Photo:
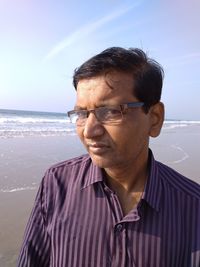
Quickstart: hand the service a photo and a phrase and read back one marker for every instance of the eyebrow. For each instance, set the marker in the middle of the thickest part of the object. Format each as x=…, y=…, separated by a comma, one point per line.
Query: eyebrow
x=103, y=104
x=79, y=108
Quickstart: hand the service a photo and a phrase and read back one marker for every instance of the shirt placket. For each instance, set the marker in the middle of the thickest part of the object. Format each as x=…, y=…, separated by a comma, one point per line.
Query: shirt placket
x=118, y=240
x=121, y=256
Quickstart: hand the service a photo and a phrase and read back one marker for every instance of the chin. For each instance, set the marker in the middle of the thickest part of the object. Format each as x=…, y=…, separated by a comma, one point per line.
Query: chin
x=101, y=161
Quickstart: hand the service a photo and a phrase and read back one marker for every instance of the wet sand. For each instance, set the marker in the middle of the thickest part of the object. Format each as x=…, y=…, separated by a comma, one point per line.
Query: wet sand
x=23, y=162
x=179, y=148
x=15, y=209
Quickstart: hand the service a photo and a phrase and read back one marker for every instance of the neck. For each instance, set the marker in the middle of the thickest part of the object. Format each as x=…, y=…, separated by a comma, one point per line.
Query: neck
x=128, y=179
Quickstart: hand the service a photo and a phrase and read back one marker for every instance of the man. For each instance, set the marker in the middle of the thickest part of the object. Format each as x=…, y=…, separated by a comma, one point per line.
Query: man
x=116, y=206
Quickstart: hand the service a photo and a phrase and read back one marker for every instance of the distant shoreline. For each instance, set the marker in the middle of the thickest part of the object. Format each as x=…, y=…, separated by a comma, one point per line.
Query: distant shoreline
x=37, y=112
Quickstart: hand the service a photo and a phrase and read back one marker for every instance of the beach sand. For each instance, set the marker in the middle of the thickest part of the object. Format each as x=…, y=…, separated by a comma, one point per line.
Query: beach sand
x=23, y=162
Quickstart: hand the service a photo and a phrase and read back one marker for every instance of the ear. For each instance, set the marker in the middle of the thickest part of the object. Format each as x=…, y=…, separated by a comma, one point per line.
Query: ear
x=156, y=114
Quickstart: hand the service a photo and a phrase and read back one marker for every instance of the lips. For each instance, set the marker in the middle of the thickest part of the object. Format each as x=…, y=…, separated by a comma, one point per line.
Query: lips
x=97, y=148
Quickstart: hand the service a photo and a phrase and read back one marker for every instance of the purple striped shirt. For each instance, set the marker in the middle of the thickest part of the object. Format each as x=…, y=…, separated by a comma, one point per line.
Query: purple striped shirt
x=77, y=221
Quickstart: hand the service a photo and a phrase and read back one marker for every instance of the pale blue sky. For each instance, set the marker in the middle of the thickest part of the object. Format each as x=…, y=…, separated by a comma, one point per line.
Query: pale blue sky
x=42, y=42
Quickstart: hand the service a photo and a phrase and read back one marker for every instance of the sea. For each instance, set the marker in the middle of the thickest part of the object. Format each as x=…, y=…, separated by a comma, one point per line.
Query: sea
x=20, y=123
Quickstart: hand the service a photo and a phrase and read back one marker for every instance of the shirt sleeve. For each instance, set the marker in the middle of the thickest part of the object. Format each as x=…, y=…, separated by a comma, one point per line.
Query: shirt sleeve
x=35, y=250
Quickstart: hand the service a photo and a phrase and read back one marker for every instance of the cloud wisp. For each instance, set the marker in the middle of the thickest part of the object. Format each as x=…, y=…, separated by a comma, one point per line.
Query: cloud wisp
x=88, y=29
x=183, y=59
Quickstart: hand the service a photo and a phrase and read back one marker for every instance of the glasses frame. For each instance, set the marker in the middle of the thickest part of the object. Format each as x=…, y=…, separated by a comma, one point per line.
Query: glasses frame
x=123, y=108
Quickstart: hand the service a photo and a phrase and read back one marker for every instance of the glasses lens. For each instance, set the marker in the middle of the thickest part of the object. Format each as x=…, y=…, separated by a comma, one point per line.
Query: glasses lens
x=103, y=114
x=108, y=114
x=79, y=117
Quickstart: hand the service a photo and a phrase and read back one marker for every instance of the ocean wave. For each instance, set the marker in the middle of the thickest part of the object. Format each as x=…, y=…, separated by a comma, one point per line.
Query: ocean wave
x=178, y=124
x=172, y=126
x=25, y=123
x=181, y=122
x=11, y=133
x=31, y=120
x=36, y=130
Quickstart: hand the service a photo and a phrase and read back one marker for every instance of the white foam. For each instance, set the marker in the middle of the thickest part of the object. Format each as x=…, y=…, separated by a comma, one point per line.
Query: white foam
x=32, y=129
x=183, y=157
x=21, y=120
x=26, y=124
x=181, y=121
x=18, y=189
x=52, y=130
x=178, y=124
x=173, y=126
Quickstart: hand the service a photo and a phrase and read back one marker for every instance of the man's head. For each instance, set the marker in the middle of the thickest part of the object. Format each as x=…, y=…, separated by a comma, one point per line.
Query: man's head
x=147, y=73
x=115, y=132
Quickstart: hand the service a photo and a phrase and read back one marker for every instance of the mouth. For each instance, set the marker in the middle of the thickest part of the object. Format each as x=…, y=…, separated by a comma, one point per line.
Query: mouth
x=97, y=148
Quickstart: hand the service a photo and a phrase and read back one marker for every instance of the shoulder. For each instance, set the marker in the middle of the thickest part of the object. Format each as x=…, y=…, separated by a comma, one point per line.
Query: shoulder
x=76, y=162
x=178, y=182
x=63, y=177
x=68, y=170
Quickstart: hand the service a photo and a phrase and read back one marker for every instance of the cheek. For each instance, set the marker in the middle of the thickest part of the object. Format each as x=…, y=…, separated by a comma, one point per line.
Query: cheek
x=119, y=136
x=79, y=132
x=128, y=137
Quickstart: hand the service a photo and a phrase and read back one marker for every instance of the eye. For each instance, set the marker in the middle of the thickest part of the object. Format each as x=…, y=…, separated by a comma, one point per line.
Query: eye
x=109, y=113
x=81, y=114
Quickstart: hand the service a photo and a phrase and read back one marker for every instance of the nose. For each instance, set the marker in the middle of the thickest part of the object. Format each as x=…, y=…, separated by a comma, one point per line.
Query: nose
x=93, y=128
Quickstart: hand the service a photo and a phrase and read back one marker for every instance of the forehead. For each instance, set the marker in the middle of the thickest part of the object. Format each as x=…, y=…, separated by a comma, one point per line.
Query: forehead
x=113, y=86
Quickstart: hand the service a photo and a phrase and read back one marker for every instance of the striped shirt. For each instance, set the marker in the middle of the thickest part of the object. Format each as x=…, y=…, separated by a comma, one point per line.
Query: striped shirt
x=77, y=221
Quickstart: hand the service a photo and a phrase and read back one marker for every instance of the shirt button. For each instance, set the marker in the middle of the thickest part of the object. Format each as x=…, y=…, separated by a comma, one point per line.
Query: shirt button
x=119, y=227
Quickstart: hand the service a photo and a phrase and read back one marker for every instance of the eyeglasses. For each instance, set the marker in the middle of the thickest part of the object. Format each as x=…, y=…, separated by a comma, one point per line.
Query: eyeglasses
x=105, y=115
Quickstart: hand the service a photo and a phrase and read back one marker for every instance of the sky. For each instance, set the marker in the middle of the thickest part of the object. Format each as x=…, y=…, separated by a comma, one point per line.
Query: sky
x=42, y=42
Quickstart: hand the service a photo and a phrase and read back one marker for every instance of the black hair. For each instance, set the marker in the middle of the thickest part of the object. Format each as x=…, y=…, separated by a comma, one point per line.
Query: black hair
x=147, y=73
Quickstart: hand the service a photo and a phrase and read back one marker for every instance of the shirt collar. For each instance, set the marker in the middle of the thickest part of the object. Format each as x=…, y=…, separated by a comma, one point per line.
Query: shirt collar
x=94, y=174
x=153, y=187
